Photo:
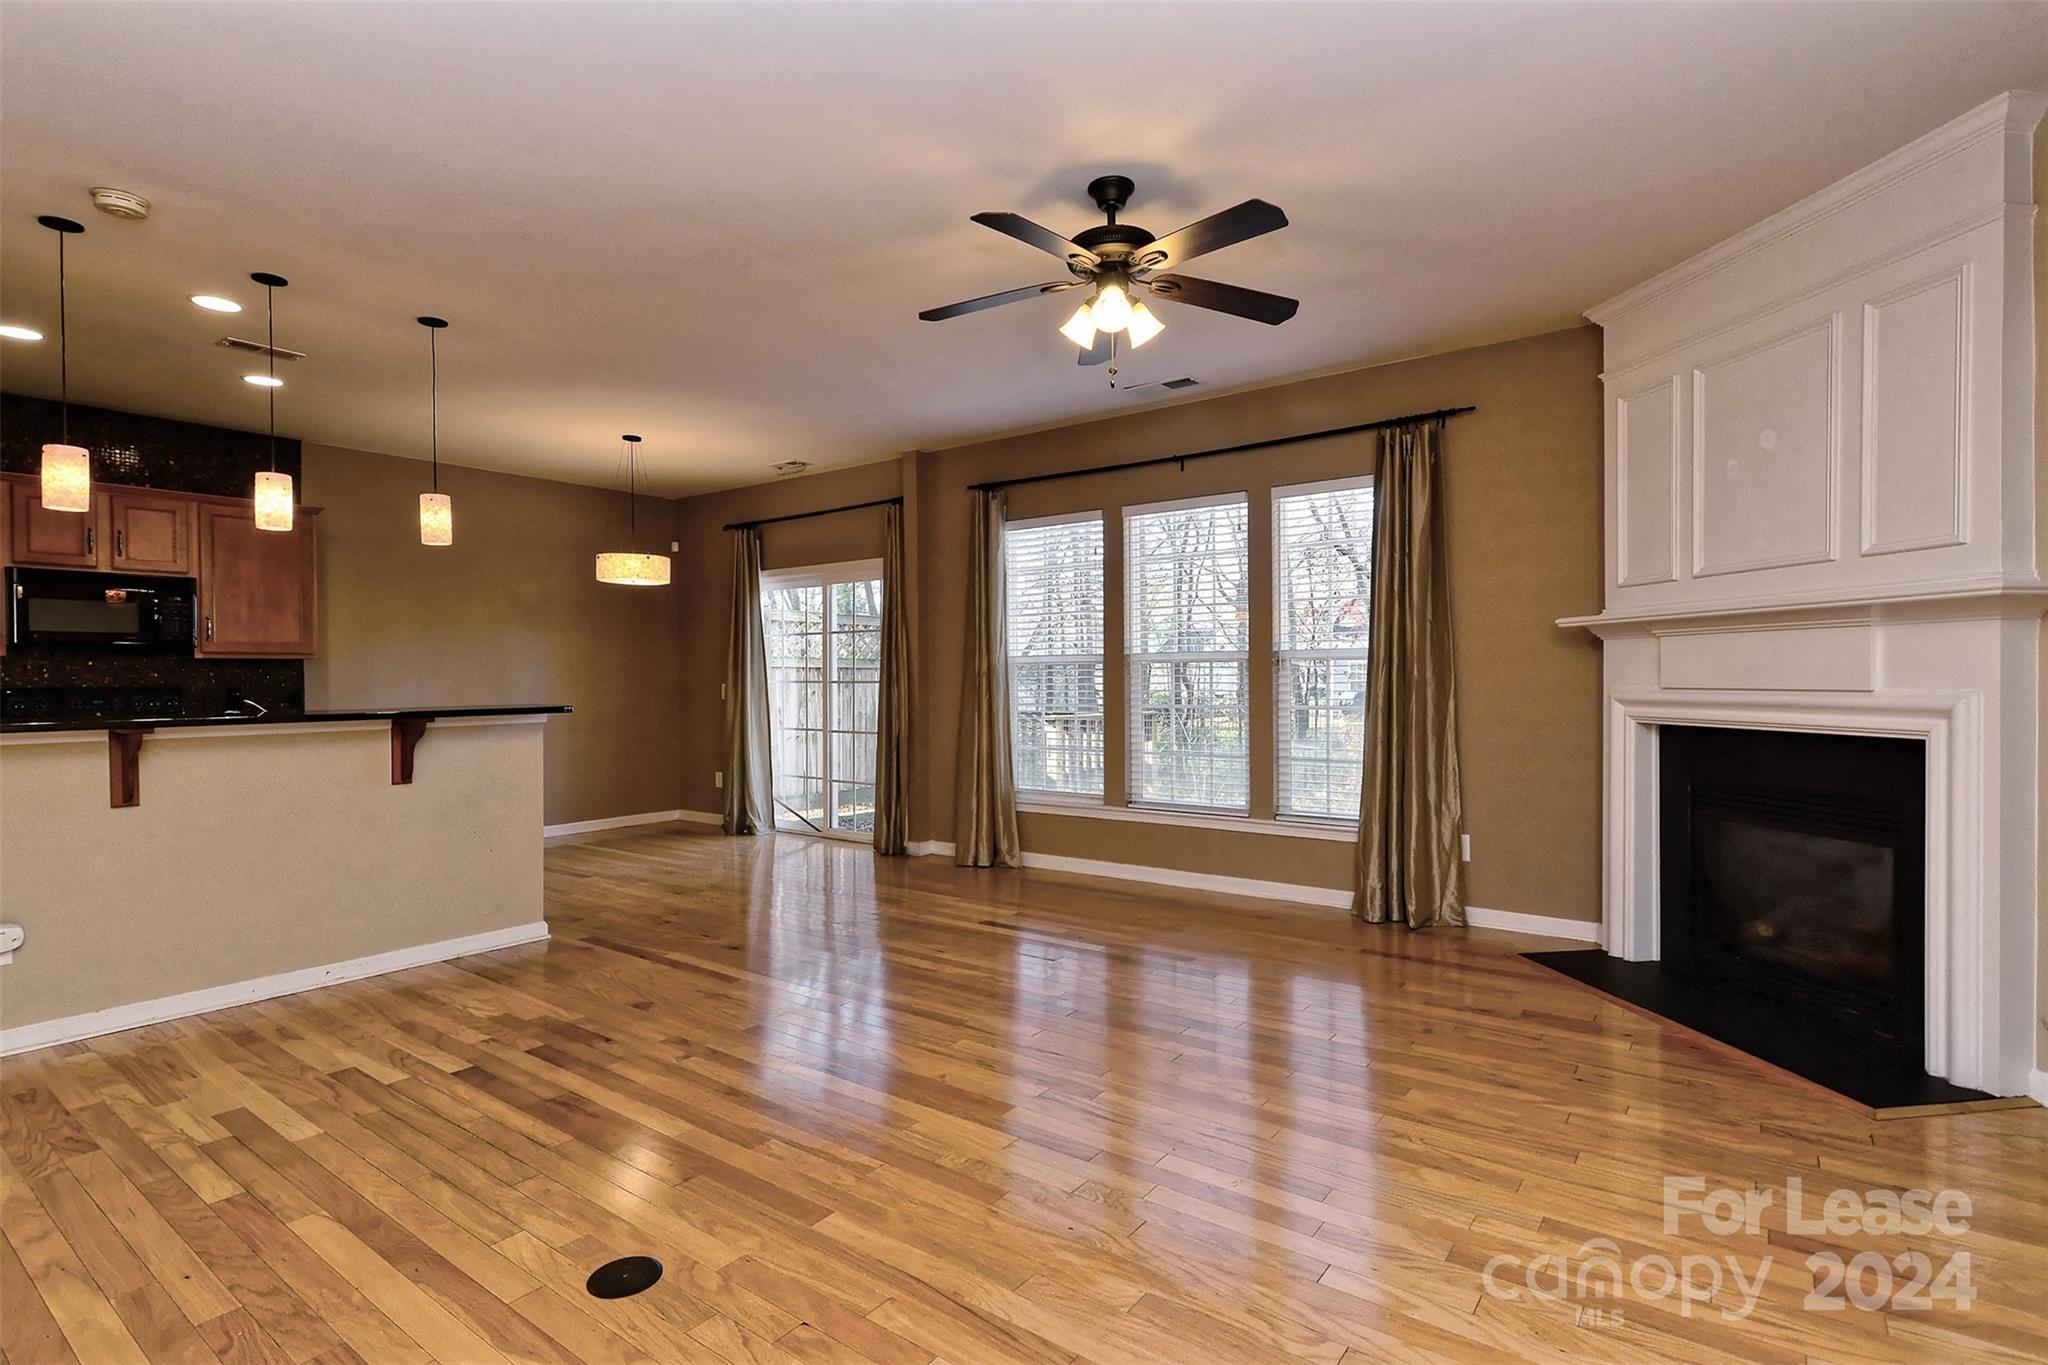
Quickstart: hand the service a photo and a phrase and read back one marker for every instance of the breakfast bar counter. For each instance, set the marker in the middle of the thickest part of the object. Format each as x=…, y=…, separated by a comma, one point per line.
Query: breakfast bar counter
x=159, y=867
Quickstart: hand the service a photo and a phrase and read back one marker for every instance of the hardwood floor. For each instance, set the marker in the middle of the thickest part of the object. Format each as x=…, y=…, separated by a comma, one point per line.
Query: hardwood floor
x=897, y=1113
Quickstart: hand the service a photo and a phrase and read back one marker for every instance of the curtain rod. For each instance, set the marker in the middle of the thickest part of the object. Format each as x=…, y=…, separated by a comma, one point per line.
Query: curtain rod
x=1438, y=415
x=821, y=512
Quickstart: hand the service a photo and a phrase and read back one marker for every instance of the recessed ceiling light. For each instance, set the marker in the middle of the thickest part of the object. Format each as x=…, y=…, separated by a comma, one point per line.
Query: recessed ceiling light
x=214, y=303
x=263, y=381
x=13, y=333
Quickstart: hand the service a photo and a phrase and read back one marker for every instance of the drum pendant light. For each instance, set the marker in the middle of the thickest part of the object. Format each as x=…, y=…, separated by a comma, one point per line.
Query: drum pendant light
x=437, y=510
x=67, y=469
x=631, y=568
x=273, y=490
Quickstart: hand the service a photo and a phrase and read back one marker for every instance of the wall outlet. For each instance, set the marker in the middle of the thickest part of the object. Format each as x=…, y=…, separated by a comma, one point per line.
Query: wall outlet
x=10, y=939
x=675, y=546
x=1465, y=847
x=721, y=691
x=718, y=781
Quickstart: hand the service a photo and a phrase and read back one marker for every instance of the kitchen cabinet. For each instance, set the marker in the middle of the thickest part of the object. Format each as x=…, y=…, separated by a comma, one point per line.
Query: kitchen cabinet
x=57, y=540
x=257, y=589
x=150, y=532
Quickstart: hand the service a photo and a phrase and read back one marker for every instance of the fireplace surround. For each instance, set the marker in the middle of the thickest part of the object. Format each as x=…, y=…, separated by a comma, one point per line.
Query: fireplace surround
x=1824, y=523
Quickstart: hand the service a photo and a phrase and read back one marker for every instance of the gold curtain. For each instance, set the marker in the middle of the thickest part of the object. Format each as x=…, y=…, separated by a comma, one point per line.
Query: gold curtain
x=892, y=725
x=1411, y=810
x=749, y=781
x=985, y=785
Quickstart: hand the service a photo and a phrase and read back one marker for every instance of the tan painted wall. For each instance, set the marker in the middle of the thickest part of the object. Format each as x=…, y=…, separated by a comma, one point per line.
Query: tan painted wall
x=510, y=613
x=264, y=851
x=1525, y=528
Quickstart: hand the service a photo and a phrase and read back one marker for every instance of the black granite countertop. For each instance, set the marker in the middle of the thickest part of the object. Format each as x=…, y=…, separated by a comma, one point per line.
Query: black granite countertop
x=38, y=727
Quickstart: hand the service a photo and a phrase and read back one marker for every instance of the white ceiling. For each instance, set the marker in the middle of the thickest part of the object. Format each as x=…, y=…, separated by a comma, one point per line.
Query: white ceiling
x=716, y=225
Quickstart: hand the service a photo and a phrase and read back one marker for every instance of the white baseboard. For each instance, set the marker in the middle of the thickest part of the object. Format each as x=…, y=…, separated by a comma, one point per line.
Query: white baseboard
x=1577, y=930
x=1192, y=881
x=49, y=1033
x=929, y=848
x=652, y=817
x=2037, y=1086
x=1476, y=917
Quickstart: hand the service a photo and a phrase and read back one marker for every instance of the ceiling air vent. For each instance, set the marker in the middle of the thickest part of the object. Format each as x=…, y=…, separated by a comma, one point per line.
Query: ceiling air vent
x=258, y=348
x=1184, y=382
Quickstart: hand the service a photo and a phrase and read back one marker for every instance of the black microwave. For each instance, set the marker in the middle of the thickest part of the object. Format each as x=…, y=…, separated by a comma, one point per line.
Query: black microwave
x=63, y=609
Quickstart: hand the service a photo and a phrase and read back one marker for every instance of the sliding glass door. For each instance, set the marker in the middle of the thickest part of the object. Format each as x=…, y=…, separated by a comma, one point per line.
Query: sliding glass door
x=822, y=629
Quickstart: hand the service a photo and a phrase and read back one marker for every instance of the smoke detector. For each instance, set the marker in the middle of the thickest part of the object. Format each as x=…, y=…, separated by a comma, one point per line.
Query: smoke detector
x=120, y=203
x=788, y=467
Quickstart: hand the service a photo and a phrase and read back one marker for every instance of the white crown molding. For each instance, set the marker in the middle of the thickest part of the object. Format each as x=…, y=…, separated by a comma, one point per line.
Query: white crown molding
x=652, y=817
x=2014, y=111
x=50, y=1032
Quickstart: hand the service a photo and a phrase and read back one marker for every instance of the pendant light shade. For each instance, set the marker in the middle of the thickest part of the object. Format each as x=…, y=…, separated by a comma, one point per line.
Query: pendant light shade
x=67, y=469
x=67, y=479
x=632, y=568
x=437, y=509
x=273, y=500
x=273, y=490
x=437, y=519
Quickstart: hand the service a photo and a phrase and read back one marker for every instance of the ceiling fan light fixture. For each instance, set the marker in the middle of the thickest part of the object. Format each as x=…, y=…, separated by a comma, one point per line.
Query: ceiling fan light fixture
x=1143, y=326
x=1111, y=310
x=1080, y=328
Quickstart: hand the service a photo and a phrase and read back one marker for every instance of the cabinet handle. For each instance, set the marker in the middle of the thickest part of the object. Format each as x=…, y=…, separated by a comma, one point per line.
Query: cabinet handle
x=120, y=544
x=209, y=627
x=90, y=541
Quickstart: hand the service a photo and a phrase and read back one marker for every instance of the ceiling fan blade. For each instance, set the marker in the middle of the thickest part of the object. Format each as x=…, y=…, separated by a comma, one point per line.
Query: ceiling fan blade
x=1252, y=218
x=1029, y=291
x=1098, y=354
x=1271, y=309
x=1044, y=238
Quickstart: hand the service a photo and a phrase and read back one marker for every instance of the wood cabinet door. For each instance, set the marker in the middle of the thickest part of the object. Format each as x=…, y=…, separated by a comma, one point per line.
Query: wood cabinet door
x=152, y=532
x=257, y=594
x=65, y=540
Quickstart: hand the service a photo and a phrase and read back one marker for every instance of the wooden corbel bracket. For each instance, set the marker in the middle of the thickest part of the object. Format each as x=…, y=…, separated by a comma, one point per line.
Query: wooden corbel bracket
x=124, y=767
x=405, y=737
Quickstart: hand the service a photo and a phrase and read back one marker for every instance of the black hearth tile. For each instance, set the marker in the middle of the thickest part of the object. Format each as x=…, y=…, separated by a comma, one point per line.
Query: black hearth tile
x=1812, y=1045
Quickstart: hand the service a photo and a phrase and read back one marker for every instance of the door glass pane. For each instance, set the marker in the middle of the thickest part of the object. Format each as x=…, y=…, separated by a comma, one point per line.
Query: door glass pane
x=824, y=658
x=793, y=633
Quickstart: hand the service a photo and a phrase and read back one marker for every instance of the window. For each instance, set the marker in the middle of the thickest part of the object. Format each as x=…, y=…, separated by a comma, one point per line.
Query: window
x=1186, y=654
x=1053, y=571
x=821, y=629
x=1322, y=579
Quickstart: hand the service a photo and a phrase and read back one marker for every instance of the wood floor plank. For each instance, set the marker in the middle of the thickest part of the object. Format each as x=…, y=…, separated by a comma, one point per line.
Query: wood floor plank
x=893, y=1112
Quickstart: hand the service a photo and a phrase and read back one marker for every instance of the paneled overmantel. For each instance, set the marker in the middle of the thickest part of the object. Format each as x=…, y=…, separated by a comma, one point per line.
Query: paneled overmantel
x=1823, y=514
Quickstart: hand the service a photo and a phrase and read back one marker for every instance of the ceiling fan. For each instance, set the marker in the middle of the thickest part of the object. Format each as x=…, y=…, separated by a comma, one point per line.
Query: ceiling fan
x=1117, y=259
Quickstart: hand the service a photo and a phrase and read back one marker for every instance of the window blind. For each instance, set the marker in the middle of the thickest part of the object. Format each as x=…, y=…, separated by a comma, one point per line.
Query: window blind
x=1322, y=553
x=1187, y=654
x=1053, y=572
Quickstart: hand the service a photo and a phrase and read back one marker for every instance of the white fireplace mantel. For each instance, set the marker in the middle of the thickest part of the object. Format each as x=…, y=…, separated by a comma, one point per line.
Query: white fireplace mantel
x=1822, y=515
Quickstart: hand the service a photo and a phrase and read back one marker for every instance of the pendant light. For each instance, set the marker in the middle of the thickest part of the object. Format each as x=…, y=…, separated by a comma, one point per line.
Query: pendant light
x=273, y=490
x=67, y=469
x=437, y=510
x=631, y=568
